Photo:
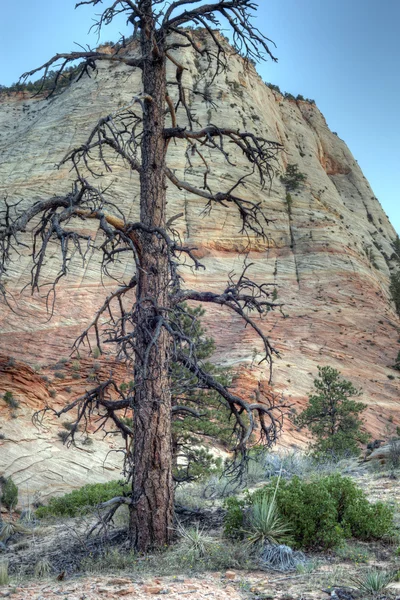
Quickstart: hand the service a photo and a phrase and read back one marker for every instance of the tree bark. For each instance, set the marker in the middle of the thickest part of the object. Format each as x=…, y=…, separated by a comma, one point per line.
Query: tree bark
x=152, y=511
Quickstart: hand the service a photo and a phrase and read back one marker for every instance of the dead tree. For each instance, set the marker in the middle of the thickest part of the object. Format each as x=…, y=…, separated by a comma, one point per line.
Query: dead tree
x=146, y=331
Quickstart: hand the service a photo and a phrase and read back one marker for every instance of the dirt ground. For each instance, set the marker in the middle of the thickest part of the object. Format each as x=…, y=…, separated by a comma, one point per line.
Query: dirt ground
x=324, y=576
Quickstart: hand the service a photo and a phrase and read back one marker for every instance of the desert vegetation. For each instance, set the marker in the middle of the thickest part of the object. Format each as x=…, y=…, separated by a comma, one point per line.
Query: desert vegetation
x=332, y=416
x=268, y=524
x=294, y=517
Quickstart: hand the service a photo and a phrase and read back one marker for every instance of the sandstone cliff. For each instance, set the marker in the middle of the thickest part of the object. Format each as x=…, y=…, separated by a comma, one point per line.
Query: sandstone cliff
x=328, y=254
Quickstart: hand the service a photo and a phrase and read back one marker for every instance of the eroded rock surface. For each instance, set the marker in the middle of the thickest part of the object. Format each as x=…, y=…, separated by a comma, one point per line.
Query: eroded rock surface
x=329, y=254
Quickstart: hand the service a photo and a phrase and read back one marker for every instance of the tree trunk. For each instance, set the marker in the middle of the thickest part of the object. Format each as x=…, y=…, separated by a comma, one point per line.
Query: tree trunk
x=152, y=512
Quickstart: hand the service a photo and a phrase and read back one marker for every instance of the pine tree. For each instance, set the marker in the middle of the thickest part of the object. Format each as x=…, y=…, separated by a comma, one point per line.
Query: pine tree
x=332, y=416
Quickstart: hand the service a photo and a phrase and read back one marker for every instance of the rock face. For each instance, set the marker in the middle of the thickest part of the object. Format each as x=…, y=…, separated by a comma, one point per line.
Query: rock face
x=329, y=253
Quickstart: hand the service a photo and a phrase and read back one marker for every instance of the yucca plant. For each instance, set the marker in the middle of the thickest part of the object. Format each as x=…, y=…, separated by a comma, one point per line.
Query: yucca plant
x=279, y=557
x=265, y=524
x=43, y=568
x=7, y=530
x=373, y=581
x=195, y=539
x=4, y=579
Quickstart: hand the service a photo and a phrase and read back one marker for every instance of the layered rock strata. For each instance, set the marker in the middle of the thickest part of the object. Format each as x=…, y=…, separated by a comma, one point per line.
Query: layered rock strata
x=329, y=253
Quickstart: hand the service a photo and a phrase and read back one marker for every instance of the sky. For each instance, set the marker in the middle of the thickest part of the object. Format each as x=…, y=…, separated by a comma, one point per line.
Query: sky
x=343, y=54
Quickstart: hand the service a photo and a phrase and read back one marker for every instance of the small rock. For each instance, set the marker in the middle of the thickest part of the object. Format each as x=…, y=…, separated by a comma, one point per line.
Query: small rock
x=126, y=591
x=230, y=575
x=152, y=589
x=119, y=581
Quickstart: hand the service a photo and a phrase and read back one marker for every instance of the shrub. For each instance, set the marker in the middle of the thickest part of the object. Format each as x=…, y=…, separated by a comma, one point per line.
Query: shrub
x=87, y=441
x=63, y=435
x=321, y=513
x=354, y=552
x=70, y=425
x=234, y=517
x=273, y=87
x=394, y=453
x=293, y=178
x=397, y=363
x=396, y=248
x=394, y=289
x=289, y=203
x=9, y=399
x=9, y=495
x=81, y=500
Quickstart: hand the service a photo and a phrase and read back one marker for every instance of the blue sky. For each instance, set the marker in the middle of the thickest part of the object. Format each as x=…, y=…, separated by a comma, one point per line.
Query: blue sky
x=344, y=54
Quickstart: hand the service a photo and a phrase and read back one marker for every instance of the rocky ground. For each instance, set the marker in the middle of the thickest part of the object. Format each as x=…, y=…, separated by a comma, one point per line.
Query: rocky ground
x=92, y=588
x=320, y=584
x=63, y=543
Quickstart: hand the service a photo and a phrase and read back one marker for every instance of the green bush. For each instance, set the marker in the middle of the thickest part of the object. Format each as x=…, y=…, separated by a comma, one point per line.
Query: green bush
x=63, y=435
x=397, y=363
x=320, y=513
x=234, y=517
x=9, y=399
x=9, y=496
x=394, y=289
x=80, y=501
x=293, y=178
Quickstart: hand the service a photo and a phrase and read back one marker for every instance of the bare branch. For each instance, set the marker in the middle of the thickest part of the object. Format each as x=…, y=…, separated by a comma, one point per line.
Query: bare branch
x=89, y=62
x=246, y=38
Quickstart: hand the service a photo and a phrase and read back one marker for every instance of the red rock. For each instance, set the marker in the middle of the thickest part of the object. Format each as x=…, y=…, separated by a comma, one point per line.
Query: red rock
x=152, y=589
